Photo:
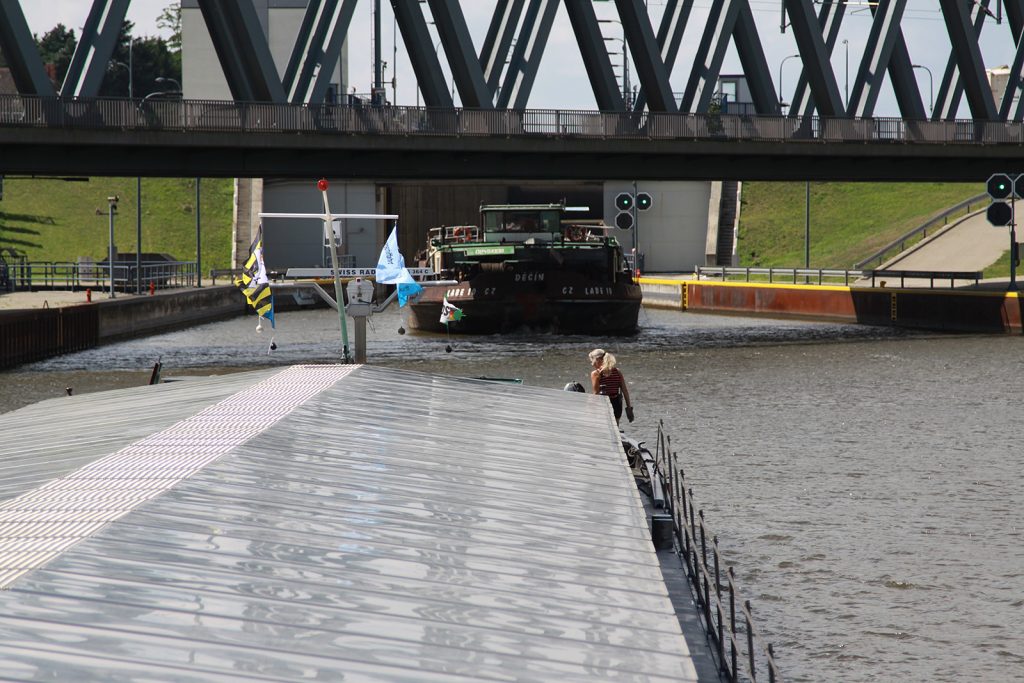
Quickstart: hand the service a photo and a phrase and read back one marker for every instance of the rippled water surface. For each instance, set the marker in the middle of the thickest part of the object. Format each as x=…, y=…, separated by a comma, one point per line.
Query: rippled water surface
x=864, y=482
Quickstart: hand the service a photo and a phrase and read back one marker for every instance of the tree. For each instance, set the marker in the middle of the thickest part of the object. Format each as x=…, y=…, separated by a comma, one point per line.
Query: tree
x=56, y=48
x=149, y=58
x=170, y=20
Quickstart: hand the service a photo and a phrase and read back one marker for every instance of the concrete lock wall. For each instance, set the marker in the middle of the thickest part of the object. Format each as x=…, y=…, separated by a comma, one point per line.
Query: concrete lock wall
x=138, y=316
x=672, y=232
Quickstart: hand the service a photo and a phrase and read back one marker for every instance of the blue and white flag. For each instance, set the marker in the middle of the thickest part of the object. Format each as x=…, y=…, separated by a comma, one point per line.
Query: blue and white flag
x=390, y=264
x=407, y=287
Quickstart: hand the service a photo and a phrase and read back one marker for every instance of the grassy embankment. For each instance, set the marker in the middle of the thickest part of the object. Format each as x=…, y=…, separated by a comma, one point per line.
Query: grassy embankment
x=57, y=221
x=849, y=221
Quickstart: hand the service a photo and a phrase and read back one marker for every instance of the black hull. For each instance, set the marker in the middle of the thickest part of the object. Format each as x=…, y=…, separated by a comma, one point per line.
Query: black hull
x=614, y=314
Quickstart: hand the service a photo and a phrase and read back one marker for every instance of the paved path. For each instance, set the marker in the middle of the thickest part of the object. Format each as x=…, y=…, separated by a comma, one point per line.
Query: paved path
x=51, y=298
x=971, y=244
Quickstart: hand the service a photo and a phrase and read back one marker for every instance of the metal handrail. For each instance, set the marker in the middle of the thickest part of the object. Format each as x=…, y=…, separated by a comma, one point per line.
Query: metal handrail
x=790, y=275
x=720, y=621
x=75, y=275
x=28, y=111
x=923, y=229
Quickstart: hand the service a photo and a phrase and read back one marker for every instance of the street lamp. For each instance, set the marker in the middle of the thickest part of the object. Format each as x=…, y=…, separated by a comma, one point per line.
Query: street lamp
x=114, y=62
x=625, y=59
x=111, y=212
x=162, y=79
x=931, y=99
x=846, y=100
x=782, y=102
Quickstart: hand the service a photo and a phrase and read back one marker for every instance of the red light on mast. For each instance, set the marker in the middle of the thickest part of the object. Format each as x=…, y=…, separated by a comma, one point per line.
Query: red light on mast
x=322, y=184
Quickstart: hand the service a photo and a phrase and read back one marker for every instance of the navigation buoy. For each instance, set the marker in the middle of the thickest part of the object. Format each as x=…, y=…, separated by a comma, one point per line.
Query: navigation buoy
x=448, y=348
x=401, y=330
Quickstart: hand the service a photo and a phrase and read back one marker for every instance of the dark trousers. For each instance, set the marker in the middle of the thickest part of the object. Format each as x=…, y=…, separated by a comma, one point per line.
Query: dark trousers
x=616, y=405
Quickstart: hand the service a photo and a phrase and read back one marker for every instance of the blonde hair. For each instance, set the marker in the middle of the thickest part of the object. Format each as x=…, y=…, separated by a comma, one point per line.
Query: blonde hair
x=608, y=362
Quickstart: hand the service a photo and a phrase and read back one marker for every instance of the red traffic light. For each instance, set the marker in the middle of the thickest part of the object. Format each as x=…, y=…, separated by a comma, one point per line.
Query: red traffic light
x=624, y=220
x=999, y=213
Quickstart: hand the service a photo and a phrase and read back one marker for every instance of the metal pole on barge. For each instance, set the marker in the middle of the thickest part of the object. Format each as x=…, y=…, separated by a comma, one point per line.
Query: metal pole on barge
x=338, y=295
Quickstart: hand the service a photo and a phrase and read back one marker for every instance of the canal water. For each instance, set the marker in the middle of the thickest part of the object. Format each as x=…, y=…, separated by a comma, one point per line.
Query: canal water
x=864, y=482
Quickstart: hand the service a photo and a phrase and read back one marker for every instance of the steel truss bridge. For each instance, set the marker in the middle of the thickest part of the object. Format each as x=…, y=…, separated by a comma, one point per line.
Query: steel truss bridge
x=494, y=135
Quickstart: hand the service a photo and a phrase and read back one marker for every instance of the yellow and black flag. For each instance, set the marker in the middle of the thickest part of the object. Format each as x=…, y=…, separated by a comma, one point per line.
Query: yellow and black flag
x=254, y=282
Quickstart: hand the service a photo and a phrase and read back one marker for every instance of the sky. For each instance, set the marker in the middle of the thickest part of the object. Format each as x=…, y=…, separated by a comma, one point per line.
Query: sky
x=562, y=82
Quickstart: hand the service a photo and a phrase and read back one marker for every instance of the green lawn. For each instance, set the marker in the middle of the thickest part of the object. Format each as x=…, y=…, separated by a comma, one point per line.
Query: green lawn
x=849, y=221
x=57, y=220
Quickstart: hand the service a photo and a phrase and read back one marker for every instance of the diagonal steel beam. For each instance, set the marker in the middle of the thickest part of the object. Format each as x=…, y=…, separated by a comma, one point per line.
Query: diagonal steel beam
x=498, y=41
x=317, y=50
x=707, y=62
x=817, y=81
x=243, y=51
x=462, y=57
x=419, y=44
x=533, y=37
x=884, y=30
x=755, y=66
x=650, y=68
x=99, y=37
x=951, y=90
x=1013, y=88
x=595, y=56
x=21, y=52
x=904, y=85
x=670, y=36
x=969, y=61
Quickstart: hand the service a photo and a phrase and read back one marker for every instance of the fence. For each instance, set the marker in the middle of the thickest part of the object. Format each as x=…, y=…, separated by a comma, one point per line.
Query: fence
x=741, y=651
x=252, y=117
x=71, y=275
x=820, y=276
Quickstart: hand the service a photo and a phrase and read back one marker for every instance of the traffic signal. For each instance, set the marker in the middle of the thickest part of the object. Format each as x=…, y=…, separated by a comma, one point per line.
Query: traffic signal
x=999, y=213
x=626, y=218
x=1000, y=187
x=644, y=201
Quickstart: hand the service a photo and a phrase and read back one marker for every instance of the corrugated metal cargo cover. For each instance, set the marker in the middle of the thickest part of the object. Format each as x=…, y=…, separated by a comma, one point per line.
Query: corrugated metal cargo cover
x=380, y=525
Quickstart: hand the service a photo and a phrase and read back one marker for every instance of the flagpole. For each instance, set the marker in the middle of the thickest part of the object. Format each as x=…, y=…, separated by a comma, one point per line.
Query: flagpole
x=328, y=224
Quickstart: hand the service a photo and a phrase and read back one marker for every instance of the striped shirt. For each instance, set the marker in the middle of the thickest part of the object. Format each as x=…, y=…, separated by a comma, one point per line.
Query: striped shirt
x=610, y=384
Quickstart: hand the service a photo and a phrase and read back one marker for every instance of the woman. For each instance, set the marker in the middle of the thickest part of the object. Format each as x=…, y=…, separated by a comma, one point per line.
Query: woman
x=607, y=380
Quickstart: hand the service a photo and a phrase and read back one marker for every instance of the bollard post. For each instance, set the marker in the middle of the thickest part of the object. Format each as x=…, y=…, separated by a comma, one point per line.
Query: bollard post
x=88, y=295
x=152, y=288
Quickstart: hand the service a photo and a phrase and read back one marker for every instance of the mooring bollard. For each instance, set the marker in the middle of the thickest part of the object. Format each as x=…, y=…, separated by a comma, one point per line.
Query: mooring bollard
x=88, y=295
x=152, y=289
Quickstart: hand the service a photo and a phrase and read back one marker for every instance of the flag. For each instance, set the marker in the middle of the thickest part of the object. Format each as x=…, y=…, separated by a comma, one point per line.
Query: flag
x=407, y=287
x=449, y=313
x=391, y=263
x=254, y=282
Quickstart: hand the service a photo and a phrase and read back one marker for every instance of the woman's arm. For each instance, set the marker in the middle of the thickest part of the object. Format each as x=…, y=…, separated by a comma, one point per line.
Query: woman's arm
x=595, y=381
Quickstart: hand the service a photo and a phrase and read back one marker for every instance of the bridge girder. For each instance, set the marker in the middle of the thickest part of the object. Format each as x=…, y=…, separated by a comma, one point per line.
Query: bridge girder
x=518, y=34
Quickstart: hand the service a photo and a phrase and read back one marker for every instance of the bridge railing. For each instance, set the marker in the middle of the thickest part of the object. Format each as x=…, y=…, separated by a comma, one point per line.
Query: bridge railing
x=218, y=116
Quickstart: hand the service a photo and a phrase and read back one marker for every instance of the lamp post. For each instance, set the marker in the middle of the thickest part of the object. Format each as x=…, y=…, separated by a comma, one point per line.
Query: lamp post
x=846, y=99
x=931, y=99
x=163, y=79
x=111, y=211
x=782, y=101
x=625, y=59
